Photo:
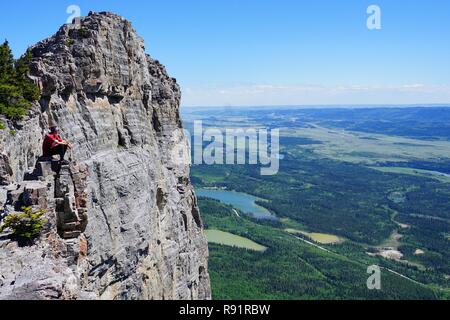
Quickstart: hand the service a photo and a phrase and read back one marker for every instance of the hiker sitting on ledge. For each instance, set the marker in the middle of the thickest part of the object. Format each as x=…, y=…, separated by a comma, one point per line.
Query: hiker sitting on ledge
x=54, y=145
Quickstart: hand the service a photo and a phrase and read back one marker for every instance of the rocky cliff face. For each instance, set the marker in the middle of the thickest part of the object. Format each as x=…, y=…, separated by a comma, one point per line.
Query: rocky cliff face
x=123, y=222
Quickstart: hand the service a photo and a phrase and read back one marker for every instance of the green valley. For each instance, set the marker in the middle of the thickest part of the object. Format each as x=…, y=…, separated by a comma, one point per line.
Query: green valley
x=345, y=197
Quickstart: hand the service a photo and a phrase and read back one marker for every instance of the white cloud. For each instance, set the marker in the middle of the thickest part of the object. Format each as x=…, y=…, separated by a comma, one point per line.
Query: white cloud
x=266, y=94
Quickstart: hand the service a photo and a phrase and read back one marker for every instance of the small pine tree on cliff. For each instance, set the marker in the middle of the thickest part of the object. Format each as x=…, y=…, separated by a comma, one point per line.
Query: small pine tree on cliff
x=25, y=226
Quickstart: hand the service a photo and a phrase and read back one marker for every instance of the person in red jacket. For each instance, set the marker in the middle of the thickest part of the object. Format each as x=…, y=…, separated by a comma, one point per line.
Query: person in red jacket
x=54, y=145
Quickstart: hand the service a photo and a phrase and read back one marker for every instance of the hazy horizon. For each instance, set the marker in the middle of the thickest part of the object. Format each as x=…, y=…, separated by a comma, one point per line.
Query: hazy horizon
x=329, y=106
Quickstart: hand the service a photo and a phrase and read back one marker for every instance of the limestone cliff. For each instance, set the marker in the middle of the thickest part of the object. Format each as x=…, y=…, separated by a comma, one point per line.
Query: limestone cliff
x=123, y=222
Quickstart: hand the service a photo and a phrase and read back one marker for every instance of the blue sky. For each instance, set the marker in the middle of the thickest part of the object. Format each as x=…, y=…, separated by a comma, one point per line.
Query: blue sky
x=275, y=52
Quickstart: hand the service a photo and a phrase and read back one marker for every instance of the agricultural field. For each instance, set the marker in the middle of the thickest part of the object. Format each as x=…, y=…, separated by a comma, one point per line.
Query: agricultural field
x=229, y=239
x=321, y=238
x=369, y=148
x=416, y=172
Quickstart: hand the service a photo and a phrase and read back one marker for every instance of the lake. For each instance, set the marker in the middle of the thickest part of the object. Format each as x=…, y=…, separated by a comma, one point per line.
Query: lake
x=242, y=201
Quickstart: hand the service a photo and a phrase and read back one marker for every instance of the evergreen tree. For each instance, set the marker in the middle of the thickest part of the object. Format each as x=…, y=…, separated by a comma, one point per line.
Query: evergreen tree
x=6, y=63
x=17, y=91
x=29, y=90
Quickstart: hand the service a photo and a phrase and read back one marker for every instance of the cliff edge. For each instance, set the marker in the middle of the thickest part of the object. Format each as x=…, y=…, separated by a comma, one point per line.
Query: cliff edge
x=122, y=218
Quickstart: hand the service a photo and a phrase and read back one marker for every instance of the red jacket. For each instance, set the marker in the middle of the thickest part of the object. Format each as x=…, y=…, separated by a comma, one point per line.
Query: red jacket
x=50, y=141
